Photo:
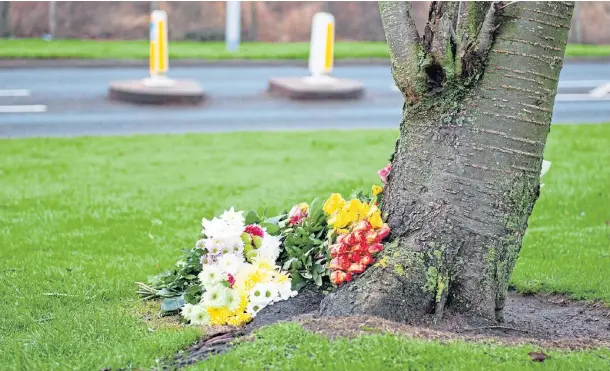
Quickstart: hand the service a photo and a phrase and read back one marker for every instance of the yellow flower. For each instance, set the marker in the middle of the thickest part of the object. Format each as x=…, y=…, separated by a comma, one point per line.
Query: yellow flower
x=375, y=219
x=219, y=316
x=353, y=208
x=364, y=211
x=253, y=279
x=281, y=277
x=334, y=203
x=243, y=303
x=376, y=190
x=239, y=320
x=339, y=220
x=303, y=206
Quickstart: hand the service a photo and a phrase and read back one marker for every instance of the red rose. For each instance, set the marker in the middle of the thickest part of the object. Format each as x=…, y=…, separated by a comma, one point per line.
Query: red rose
x=356, y=268
x=383, y=232
x=375, y=248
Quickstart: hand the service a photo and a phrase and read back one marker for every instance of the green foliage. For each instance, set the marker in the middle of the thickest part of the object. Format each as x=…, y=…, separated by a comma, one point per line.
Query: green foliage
x=304, y=254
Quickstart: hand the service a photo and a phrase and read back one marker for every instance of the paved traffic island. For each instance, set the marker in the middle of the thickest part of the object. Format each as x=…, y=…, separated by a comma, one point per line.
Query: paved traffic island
x=315, y=88
x=173, y=92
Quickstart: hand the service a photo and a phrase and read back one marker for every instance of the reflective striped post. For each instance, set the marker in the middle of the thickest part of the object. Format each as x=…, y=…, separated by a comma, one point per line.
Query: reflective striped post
x=158, y=49
x=321, y=50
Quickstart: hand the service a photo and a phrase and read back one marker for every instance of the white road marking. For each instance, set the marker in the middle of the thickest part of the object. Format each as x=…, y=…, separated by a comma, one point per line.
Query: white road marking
x=581, y=98
x=600, y=91
x=30, y=108
x=581, y=83
x=14, y=93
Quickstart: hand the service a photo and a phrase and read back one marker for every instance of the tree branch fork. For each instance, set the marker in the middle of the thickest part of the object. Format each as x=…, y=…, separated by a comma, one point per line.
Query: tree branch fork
x=454, y=45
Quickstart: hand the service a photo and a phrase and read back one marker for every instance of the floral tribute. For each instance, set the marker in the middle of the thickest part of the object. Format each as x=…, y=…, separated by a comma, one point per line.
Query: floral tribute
x=359, y=229
x=238, y=275
x=245, y=262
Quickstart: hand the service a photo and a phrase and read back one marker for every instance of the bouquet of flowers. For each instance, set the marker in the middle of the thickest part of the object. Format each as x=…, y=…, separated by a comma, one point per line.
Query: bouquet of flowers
x=238, y=276
x=359, y=231
x=244, y=263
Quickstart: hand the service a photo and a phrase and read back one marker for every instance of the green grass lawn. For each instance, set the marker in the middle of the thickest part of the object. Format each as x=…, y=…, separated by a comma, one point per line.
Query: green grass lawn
x=82, y=219
x=139, y=49
x=289, y=347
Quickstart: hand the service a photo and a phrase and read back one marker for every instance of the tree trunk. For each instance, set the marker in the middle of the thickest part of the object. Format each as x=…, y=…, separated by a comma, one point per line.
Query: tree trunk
x=479, y=90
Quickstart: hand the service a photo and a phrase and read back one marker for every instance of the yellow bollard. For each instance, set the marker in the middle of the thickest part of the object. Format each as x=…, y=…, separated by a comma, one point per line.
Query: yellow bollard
x=158, y=62
x=321, y=50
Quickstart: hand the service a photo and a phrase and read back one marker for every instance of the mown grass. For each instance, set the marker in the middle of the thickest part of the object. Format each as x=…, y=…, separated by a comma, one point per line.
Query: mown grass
x=139, y=49
x=289, y=347
x=82, y=219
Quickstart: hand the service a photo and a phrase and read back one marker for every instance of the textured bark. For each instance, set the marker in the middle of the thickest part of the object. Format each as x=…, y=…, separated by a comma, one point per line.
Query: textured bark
x=465, y=173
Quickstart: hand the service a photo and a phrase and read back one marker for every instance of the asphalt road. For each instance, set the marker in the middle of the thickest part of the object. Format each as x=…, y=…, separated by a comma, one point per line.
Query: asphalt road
x=72, y=101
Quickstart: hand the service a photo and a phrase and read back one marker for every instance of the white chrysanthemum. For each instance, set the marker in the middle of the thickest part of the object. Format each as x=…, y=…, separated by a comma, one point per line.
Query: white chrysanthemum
x=253, y=309
x=235, y=245
x=270, y=248
x=199, y=315
x=186, y=311
x=233, y=300
x=221, y=228
x=214, y=245
x=230, y=263
x=210, y=226
x=234, y=218
x=200, y=244
x=263, y=294
x=216, y=296
x=211, y=275
x=285, y=291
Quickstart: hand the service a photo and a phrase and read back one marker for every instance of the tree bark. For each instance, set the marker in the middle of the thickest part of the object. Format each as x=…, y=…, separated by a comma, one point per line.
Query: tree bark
x=465, y=172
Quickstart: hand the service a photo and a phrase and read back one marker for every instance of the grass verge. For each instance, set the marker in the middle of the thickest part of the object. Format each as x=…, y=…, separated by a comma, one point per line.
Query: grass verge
x=139, y=49
x=290, y=347
x=84, y=218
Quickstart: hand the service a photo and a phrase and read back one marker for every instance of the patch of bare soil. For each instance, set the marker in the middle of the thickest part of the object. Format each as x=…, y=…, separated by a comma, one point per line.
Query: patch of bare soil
x=547, y=321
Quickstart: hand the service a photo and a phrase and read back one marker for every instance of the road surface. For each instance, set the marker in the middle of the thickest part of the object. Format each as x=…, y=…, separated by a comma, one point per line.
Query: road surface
x=38, y=102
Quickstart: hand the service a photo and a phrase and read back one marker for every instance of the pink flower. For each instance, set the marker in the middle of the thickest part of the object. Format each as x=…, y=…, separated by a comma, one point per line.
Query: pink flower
x=383, y=173
x=255, y=230
x=298, y=213
x=231, y=280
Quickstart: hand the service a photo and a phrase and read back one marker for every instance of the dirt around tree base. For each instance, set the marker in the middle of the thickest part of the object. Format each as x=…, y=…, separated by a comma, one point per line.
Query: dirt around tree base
x=551, y=321
x=547, y=321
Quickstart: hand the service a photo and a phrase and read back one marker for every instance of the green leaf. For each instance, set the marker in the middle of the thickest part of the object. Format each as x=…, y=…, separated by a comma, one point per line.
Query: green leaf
x=297, y=281
x=252, y=217
x=318, y=268
x=272, y=229
x=192, y=294
x=172, y=304
x=318, y=280
x=276, y=219
x=288, y=262
x=315, y=209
